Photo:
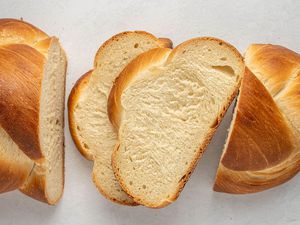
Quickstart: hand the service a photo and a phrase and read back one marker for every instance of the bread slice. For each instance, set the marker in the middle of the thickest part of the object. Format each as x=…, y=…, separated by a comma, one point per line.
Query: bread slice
x=166, y=107
x=263, y=147
x=90, y=128
x=33, y=67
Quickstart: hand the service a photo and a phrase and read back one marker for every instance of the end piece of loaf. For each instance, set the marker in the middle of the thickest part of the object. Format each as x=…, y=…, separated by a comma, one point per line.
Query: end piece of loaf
x=166, y=111
x=263, y=147
x=33, y=67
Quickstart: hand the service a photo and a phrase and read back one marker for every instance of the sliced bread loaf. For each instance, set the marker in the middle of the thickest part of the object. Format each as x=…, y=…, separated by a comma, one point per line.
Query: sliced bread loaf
x=166, y=106
x=33, y=67
x=263, y=147
x=91, y=130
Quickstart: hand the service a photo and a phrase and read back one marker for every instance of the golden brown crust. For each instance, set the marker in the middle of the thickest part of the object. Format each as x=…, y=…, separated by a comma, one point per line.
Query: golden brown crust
x=12, y=175
x=21, y=69
x=115, y=110
x=273, y=64
x=19, y=32
x=260, y=137
x=166, y=43
x=72, y=102
x=136, y=66
x=34, y=187
x=252, y=146
x=181, y=47
x=23, y=54
x=243, y=182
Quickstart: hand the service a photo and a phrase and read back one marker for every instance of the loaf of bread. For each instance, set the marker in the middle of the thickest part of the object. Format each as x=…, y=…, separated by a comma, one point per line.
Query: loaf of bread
x=32, y=83
x=263, y=147
x=166, y=106
x=90, y=128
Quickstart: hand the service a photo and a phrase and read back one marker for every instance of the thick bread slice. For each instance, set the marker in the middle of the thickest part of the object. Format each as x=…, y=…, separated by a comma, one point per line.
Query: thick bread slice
x=166, y=115
x=263, y=147
x=90, y=128
x=32, y=106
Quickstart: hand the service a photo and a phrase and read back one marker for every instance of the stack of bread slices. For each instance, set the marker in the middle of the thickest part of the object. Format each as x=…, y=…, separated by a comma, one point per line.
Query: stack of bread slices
x=145, y=114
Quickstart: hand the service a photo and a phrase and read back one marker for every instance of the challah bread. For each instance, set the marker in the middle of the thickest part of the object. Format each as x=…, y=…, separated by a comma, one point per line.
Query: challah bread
x=91, y=130
x=263, y=147
x=32, y=82
x=166, y=106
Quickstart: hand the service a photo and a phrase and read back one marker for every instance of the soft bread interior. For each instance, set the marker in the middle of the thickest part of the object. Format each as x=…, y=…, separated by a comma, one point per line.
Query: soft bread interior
x=169, y=115
x=94, y=130
x=51, y=126
x=52, y=120
x=15, y=165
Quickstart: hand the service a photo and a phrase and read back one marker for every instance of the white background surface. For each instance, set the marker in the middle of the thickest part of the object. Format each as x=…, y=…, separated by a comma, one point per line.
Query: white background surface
x=82, y=26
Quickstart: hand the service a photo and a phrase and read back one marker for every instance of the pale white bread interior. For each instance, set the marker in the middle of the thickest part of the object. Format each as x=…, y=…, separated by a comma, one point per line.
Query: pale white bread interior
x=168, y=114
x=48, y=177
x=91, y=130
x=45, y=92
x=271, y=99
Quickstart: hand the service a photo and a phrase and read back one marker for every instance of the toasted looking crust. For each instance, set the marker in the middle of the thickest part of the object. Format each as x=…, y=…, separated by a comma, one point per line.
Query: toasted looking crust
x=267, y=111
x=135, y=69
x=83, y=86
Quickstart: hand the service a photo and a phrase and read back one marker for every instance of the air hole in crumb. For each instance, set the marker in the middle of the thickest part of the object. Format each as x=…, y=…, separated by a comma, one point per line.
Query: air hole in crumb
x=130, y=158
x=85, y=145
x=78, y=128
x=102, y=173
x=56, y=121
x=130, y=182
x=184, y=52
x=223, y=58
x=220, y=43
x=136, y=45
x=209, y=50
x=227, y=70
x=186, y=163
x=133, y=168
x=144, y=186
